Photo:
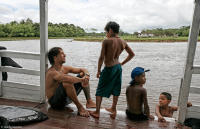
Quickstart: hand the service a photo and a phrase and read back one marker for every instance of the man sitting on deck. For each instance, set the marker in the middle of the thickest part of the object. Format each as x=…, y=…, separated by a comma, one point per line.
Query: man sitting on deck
x=62, y=89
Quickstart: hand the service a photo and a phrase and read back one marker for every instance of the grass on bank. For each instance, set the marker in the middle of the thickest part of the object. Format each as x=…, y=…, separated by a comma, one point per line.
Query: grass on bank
x=137, y=39
x=100, y=39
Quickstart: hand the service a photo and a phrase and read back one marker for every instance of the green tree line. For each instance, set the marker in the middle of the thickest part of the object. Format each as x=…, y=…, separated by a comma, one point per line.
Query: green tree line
x=181, y=32
x=26, y=28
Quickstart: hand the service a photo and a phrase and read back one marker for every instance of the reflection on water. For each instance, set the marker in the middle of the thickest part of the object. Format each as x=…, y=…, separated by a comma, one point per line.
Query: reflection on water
x=165, y=60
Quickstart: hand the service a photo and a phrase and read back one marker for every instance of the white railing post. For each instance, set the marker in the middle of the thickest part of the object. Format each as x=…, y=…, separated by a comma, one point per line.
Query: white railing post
x=43, y=46
x=192, y=41
x=1, y=78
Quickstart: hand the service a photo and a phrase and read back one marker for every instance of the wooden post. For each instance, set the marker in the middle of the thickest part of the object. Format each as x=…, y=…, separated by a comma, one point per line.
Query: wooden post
x=1, y=78
x=43, y=46
x=192, y=41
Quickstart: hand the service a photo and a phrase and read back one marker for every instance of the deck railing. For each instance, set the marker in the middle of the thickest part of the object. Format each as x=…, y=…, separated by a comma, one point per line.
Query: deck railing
x=19, y=91
x=26, y=91
x=189, y=70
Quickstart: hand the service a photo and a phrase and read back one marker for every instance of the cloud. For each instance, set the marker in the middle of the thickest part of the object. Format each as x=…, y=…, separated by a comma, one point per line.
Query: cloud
x=132, y=15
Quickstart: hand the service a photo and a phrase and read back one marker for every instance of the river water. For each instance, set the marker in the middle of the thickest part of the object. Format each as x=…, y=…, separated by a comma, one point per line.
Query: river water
x=165, y=60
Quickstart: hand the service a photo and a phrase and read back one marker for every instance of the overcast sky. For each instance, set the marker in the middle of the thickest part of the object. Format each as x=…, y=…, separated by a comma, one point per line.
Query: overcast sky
x=132, y=15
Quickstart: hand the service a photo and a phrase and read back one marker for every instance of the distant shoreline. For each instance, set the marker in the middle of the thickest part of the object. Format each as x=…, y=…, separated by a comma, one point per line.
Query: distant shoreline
x=100, y=39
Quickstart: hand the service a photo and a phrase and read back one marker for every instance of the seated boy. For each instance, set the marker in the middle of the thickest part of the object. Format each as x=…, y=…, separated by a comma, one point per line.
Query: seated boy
x=163, y=109
x=136, y=96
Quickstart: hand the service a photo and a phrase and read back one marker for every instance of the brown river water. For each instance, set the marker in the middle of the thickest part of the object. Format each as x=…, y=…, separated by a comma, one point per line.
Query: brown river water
x=165, y=60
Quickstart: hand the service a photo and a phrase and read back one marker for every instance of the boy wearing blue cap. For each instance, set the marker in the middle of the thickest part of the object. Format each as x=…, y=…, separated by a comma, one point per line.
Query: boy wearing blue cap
x=136, y=96
x=110, y=77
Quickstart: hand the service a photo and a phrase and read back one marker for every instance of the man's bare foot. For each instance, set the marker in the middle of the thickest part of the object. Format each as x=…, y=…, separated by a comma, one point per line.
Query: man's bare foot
x=94, y=114
x=90, y=104
x=83, y=112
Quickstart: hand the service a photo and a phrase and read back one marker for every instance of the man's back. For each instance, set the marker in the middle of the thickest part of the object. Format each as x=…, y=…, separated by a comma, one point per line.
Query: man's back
x=113, y=48
x=135, y=96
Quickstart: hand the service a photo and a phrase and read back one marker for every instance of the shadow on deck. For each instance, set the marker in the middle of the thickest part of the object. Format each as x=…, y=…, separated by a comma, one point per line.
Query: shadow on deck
x=66, y=119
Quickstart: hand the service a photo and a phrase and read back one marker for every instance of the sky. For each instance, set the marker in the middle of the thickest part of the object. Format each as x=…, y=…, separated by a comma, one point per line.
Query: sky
x=131, y=15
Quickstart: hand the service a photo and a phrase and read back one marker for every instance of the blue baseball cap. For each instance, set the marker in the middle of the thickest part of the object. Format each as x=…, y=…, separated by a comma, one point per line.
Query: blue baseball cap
x=136, y=72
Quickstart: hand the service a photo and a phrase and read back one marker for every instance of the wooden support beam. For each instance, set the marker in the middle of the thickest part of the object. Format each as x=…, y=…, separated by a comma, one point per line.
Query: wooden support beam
x=21, y=86
x=192, y=41
x=19, y=70
x=43, y=46
x=19, y=54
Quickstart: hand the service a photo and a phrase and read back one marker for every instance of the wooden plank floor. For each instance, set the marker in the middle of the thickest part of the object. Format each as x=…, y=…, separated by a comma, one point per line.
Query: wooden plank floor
x=67, y=119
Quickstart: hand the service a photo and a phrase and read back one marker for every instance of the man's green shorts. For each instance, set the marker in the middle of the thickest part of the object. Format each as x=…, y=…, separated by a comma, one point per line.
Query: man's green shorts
x=110, y=81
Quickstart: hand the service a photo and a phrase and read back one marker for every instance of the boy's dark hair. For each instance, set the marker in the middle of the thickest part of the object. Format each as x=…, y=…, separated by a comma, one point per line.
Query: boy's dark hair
x=168, y=95
x=112, y=25
x=53, y=52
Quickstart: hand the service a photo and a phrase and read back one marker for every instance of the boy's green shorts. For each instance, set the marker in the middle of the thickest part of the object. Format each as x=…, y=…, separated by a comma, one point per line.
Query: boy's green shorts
x=110, y=81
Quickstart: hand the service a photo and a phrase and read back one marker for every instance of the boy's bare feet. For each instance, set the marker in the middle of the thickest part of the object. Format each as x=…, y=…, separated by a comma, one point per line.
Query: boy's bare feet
x=94, y=114
x=112, y=111
x=83, y=112
x=90, y=104
x=113, y=115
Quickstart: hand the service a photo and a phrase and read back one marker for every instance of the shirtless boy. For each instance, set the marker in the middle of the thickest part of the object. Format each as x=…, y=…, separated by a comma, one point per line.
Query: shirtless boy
x=163, y=109
x=61, y=88
x=111, y=76
x=136, y=96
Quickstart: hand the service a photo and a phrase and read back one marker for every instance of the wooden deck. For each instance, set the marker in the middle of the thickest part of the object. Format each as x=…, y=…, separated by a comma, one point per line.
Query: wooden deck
x=67, y=119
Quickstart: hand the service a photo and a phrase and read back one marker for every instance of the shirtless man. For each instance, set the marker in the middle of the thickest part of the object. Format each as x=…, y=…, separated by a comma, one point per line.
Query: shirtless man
x=163, y=109
x=136, y=96
x=111, y=76
x=62, y=89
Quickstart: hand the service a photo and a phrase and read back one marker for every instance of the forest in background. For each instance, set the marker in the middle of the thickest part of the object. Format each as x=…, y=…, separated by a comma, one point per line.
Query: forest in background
x=27, y=28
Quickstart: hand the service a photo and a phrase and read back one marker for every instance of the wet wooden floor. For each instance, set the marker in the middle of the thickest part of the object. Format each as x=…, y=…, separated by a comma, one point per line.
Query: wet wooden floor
x=67, y=119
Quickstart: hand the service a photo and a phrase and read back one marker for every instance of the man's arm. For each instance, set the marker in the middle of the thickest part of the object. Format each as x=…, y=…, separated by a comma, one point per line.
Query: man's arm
x=130, y=54
x=81, y=71
x=61, y=77
x=101, y=58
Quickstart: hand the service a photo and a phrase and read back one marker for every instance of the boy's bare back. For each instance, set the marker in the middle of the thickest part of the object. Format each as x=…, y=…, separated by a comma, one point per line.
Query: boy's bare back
x=112, y=48
x=136, y=97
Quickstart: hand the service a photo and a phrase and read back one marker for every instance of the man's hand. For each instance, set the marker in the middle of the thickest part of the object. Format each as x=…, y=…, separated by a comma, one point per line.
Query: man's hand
x=85, y=81
x=98, y=74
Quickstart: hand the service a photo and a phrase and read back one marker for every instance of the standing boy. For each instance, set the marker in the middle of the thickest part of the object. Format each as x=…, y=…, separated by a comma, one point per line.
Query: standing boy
x=163, y=109
x=136, y=96
x=111, y=75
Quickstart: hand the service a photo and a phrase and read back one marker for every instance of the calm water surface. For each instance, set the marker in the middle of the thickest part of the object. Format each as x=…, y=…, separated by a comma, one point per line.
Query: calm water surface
x=165, y=60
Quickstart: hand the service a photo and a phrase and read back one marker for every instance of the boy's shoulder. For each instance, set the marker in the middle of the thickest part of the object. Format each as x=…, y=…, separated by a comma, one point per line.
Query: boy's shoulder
x=139, y=88
x=113, y=38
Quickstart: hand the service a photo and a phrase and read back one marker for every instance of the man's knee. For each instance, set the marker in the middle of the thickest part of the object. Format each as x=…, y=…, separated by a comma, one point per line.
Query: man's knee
x=68, y=85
